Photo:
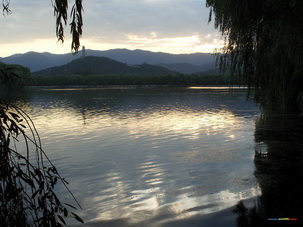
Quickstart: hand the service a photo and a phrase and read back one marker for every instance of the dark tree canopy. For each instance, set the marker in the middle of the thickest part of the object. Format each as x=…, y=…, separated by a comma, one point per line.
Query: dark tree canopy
x=263, y=47
x=61, y=15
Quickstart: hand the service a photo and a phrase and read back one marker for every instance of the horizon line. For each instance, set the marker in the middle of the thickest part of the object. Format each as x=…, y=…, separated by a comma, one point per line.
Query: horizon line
x=80, y=51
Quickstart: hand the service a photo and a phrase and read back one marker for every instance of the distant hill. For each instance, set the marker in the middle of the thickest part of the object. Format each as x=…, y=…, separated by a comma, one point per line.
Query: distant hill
x=37, y=61
x=31, y=60
x=102, y=66
x=154, y=58
x=191, y=62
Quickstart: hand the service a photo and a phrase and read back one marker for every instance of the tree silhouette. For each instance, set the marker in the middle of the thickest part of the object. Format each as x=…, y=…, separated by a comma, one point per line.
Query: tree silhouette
x=263, y=47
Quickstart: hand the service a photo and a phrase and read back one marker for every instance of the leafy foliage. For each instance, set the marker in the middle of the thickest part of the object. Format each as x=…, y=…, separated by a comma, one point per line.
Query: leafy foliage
x=27, y=180
x=263, y=47
x=13, y=76
x=61, y=14
x=5, y=5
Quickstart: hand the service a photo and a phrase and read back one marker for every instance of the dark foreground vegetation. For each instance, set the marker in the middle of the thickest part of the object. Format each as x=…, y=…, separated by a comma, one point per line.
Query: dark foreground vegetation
x=13, y=76
x=27, y=176
x=263, y=48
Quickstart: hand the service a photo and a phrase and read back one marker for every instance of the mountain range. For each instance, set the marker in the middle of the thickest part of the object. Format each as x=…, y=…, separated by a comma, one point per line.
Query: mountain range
x=102, y=66
x=182, y=63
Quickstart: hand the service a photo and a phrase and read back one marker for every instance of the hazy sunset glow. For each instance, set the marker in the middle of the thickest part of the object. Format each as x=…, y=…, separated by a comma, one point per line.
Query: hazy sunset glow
x=160, y=26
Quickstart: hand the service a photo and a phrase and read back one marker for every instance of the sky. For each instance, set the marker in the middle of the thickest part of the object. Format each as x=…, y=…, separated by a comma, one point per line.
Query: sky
x=171, y=26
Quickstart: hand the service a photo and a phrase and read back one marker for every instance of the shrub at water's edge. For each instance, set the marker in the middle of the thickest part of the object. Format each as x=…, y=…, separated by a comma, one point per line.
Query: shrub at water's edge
x=13, y=75
x=27, y=177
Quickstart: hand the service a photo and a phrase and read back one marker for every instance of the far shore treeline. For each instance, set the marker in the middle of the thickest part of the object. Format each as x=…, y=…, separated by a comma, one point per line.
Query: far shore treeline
x=18, y=79
x=90, y=80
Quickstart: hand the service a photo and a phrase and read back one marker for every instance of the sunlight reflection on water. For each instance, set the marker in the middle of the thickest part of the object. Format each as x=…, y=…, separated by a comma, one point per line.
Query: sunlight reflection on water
x=140, y=155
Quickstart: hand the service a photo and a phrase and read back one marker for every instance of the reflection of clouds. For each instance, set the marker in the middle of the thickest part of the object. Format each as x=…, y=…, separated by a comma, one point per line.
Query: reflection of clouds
x=113, y=195
x=152, y=173
x=157, y=163
x=122, y=198
x=121, y=203
x=184, y=122
x=187, y=206
x=188, y=123
x=148, y=205
x=158, y=126
x=212, y=154
x=158, y=201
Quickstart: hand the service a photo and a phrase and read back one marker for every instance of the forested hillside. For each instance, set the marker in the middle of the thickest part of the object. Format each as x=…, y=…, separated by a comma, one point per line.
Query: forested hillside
x=102, y=66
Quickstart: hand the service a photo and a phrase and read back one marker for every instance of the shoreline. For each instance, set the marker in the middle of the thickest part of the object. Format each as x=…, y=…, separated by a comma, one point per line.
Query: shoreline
x=205, y=87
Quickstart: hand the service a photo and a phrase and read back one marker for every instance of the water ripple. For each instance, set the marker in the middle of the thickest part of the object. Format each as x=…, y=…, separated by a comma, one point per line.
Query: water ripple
x=149, y=156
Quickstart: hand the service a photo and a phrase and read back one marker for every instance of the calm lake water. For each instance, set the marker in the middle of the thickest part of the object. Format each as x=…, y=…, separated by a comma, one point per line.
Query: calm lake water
x=149, y=156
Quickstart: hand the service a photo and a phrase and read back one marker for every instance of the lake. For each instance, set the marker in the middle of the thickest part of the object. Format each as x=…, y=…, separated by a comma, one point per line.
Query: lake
x=150, y=156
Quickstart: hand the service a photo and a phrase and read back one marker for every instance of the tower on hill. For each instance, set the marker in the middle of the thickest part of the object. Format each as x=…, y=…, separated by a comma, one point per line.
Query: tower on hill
x=83, y=52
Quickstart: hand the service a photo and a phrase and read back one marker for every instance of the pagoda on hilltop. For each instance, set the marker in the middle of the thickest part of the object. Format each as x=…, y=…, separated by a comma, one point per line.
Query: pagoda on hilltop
x=83, y=52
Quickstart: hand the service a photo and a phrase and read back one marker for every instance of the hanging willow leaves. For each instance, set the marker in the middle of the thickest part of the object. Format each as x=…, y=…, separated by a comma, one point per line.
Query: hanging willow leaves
x=27, y=177
x=60, y=12
x=76, y=25
x=263, y=47
x=61, y=15
x=5, y=6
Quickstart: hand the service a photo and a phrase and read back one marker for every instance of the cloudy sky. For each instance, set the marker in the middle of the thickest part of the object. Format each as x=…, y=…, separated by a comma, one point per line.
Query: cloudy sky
x=173, y=26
